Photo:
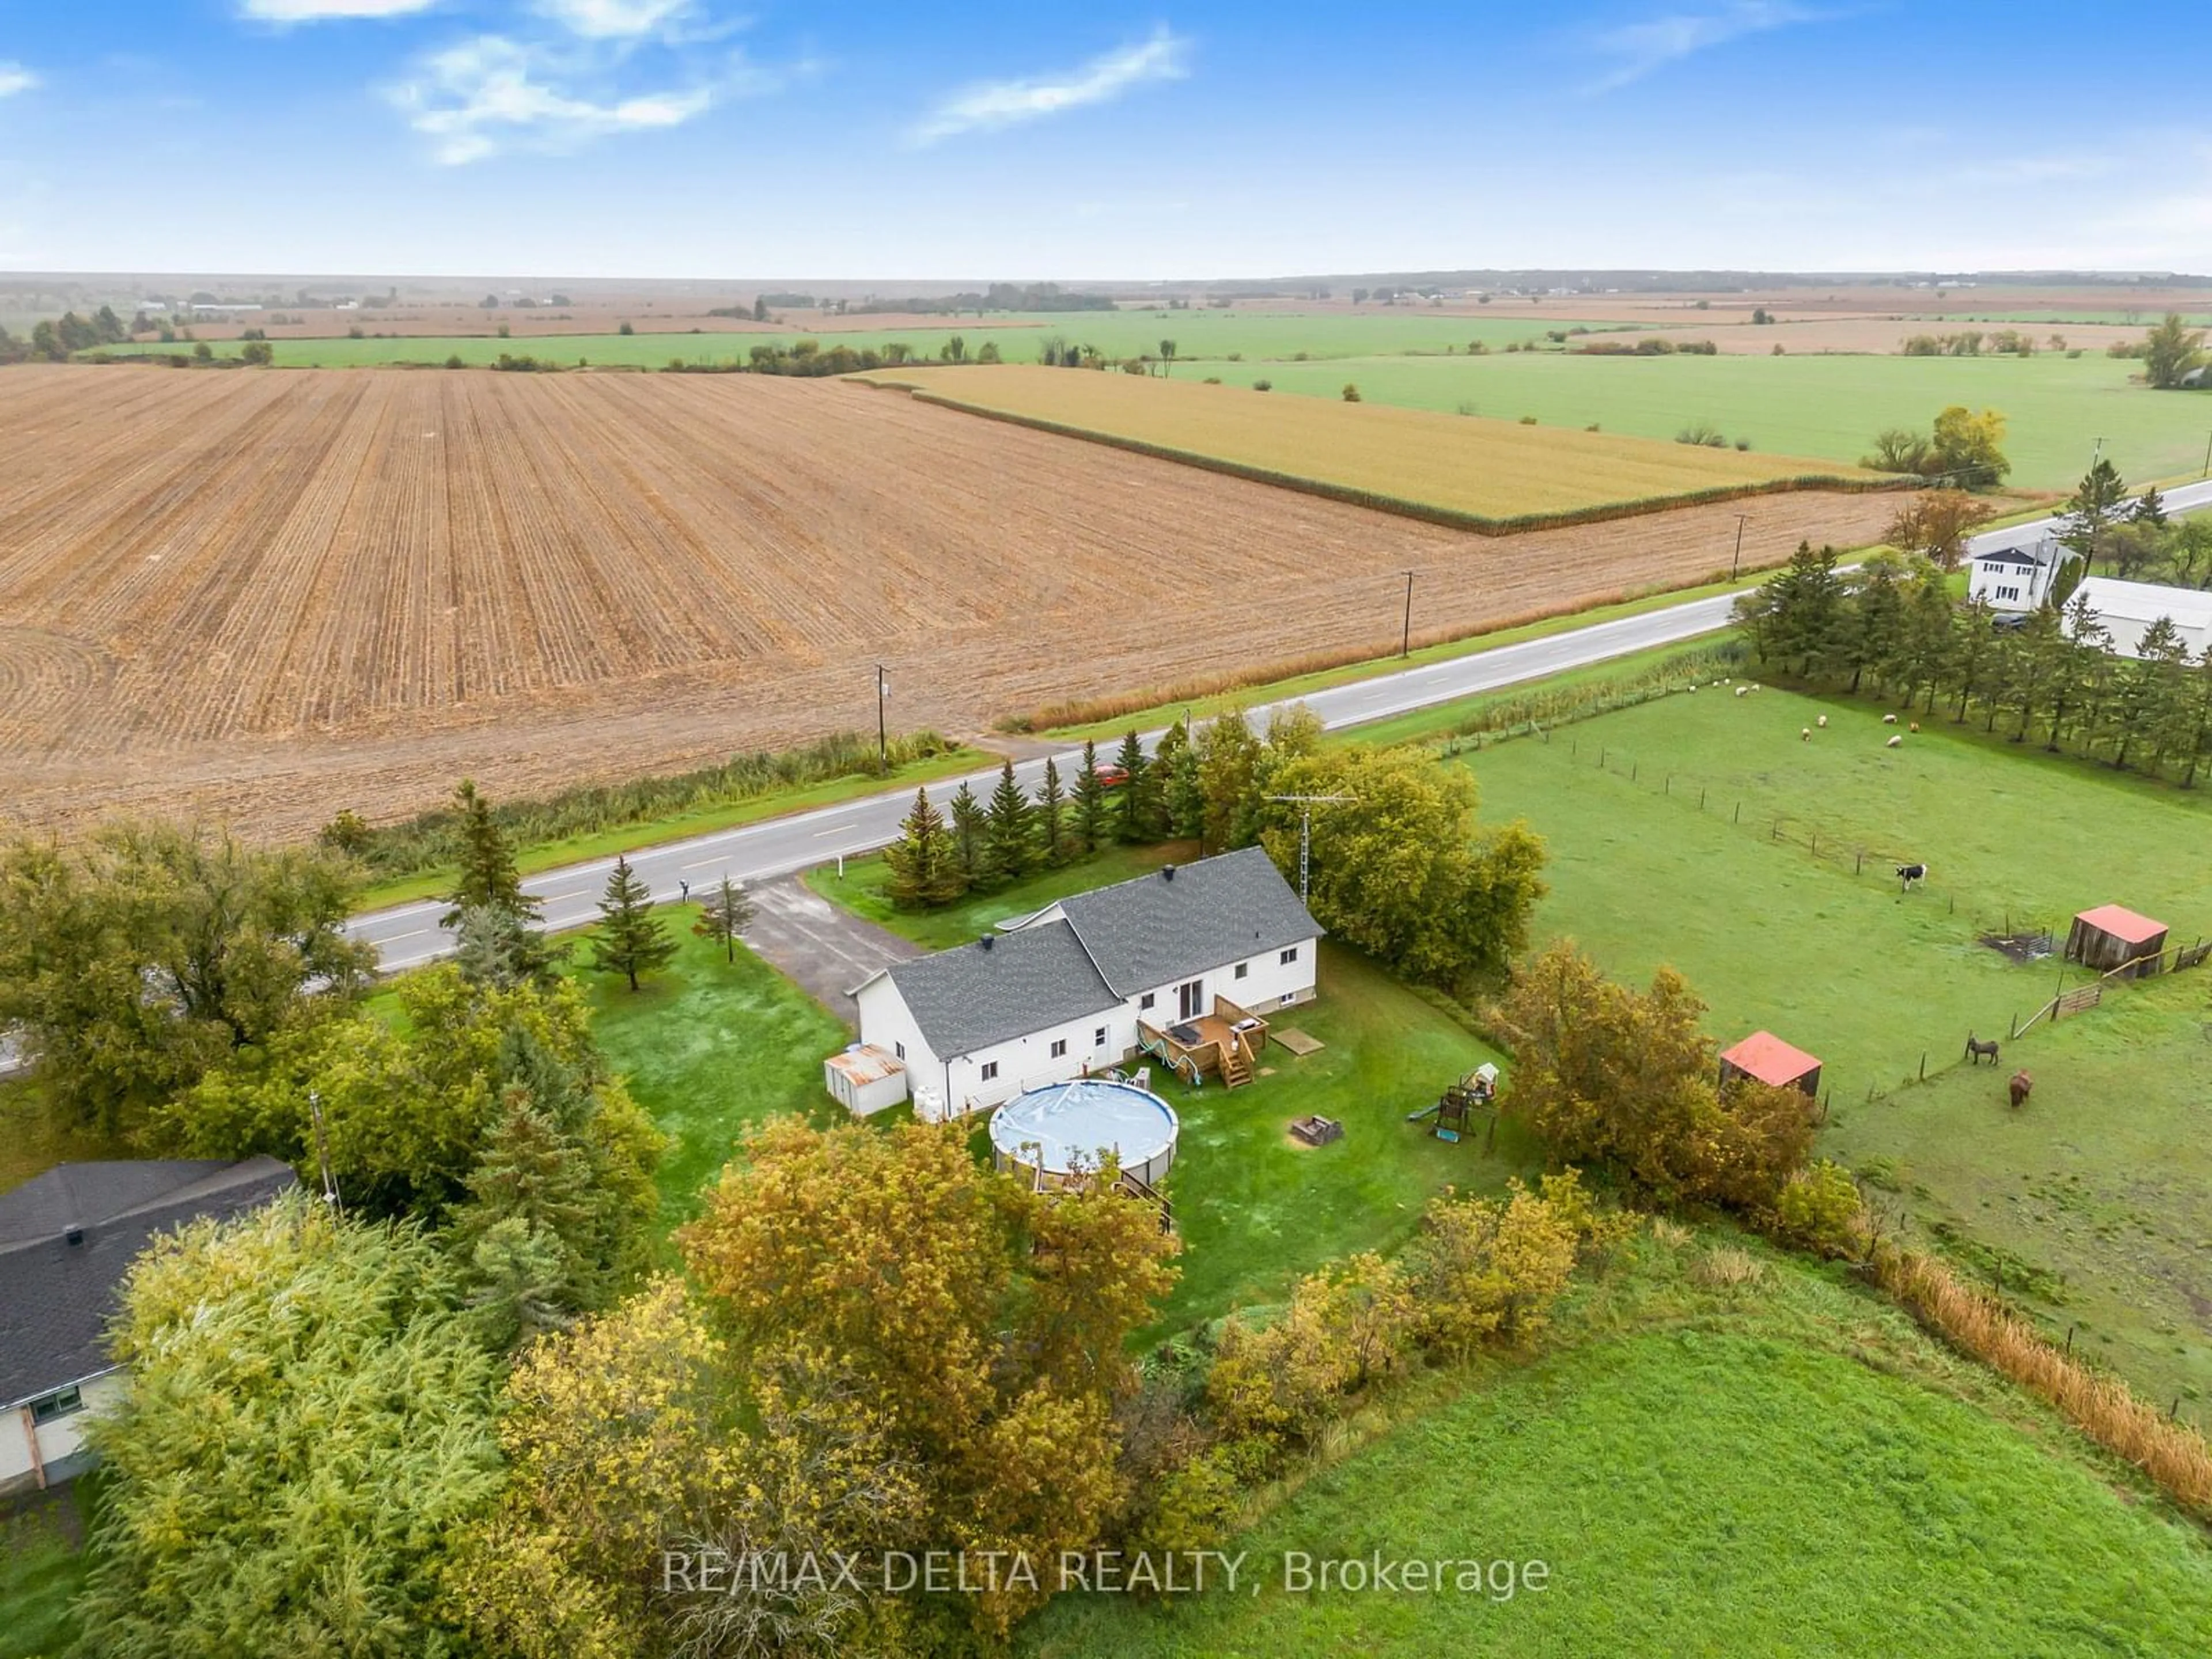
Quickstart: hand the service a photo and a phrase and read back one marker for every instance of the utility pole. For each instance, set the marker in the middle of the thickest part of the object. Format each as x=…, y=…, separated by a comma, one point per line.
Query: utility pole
x=1405, y=639
x=323, y=1154
x=883, y=737
x=1306, y=804
x=2208, y=455
x=1736, y=564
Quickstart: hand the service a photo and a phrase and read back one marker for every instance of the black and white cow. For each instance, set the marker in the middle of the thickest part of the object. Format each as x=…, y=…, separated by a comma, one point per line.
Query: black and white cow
x=1911, y=874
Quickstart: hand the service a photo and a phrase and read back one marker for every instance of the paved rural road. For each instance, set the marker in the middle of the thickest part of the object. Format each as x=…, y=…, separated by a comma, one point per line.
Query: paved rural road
x=409, y=934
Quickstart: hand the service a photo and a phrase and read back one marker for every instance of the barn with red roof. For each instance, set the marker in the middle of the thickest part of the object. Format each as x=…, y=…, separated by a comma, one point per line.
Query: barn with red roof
x=1765, y=1058
x=2111, y=936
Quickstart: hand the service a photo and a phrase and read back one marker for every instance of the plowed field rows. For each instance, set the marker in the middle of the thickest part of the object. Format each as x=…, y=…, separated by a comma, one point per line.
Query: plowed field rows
x=268, y=595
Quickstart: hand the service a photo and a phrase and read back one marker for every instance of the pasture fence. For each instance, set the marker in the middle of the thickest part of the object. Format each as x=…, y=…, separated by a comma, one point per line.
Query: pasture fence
x=2019, y=935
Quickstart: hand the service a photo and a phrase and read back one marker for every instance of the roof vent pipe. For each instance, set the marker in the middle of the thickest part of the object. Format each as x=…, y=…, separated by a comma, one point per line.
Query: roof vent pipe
x=985, y=941
x=1167, y=872
x=74, y=1236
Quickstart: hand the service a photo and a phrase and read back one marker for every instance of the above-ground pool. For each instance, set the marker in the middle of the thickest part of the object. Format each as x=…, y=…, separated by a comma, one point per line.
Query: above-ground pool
x=1064, y=1127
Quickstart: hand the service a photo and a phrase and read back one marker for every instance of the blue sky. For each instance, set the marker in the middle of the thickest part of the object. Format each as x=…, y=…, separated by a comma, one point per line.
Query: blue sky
x=703, y=139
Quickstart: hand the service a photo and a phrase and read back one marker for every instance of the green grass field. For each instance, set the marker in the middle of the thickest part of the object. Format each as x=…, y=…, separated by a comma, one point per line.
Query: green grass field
x=1784, y=1467
x=2090, y=1203
x=41, y=1571
x=1254, y=1208
x=709, y=1050
x=1197, y=334
x=1824, y=406
x=1870, y=978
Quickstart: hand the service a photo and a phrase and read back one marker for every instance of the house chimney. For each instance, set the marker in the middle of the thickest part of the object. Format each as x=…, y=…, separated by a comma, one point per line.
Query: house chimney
x=74, y=1236
x=985, y=941
x=1167, y=872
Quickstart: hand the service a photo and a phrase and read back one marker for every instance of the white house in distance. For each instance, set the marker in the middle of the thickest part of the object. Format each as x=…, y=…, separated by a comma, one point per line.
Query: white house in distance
x=67, y=1238
x=2015, y=578
x=1061, y=993
x=2128, y=610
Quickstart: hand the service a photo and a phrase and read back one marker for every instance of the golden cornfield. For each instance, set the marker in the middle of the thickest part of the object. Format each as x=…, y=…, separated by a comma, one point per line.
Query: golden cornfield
x=1510, y=476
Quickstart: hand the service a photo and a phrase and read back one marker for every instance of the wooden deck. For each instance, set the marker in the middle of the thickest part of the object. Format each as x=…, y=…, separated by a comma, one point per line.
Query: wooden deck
x=1226, y=1043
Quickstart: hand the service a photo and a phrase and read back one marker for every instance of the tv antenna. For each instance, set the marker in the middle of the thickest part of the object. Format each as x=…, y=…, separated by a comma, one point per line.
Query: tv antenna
x=323, y=1154
x=1306, y=804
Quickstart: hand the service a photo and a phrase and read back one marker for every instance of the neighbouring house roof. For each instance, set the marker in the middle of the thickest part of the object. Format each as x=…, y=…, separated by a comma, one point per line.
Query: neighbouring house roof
x=2013, y=556
x=1768, y=1058
x=2146, y=602
x=975, y=995
x=863, y=1063
x=2122, y=923
x=1160, y=928
x=57, y=1298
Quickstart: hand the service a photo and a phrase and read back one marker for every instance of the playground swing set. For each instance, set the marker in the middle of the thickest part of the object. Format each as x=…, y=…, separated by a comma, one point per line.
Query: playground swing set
x=1454, y=1110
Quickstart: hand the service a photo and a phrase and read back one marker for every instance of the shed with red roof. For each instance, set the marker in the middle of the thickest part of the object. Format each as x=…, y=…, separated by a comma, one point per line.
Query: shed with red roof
x=2111, y=936
x=1767, y=1058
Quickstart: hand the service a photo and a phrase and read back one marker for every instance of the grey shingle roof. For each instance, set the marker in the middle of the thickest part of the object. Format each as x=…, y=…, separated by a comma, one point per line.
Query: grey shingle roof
x=56, y=1297
x=970, y=998
x=1154, y=930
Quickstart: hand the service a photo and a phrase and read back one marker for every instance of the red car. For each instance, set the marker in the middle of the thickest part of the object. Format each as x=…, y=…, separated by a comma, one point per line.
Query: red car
x=1112, y=777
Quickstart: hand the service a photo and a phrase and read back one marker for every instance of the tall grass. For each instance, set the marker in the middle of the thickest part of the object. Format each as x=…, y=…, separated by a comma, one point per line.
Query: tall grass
x=425, y=843
x=2172, y=1453
x=1549, y=706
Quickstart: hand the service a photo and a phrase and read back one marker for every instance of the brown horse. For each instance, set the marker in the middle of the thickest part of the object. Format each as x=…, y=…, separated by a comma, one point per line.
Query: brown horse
x=2020, y=1086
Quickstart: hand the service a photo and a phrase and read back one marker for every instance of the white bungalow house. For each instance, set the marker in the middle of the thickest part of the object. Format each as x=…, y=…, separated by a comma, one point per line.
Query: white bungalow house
x=1190, y=950
x=67, y=1238
x=2014, y=579
x=2128, y=609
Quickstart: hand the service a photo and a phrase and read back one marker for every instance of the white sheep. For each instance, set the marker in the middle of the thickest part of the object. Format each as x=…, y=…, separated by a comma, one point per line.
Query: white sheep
x=1823, y=722
x=1741, y=689
x=1894, y=742
x=1889, y=719
x=1805, y=734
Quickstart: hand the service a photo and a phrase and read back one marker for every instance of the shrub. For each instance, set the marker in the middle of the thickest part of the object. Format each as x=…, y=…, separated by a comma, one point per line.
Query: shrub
x=1702, y=433
x=454, y=361
x=1528, y=420
x=626, y=329
x=1592, y=427
x=1818, y=1208
x=1346, y=1326
x=1211, y=380
x=1742, y=444
x=1491, y=1268
x=1263, y=386
x=1350, y=393
x=1779, y=350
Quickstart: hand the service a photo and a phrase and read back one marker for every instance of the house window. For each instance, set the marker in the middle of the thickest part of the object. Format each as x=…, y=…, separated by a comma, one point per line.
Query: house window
x=1098, y=1038
x=1288, y=956
x=1242, y=968
x=1060, y=1047
x=900, y=1049
x=990, y=1070
x=1145, y=1000
x=57, y=1404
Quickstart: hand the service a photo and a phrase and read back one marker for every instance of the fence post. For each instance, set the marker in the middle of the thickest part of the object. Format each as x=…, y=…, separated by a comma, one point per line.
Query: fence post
x=1816, y=843
x=1859, y=864
x=1923, y=1065
x=2014, y=1030
x=1739, y=813
x=1701, y=800
x=1667, y=787
x=1634, y=767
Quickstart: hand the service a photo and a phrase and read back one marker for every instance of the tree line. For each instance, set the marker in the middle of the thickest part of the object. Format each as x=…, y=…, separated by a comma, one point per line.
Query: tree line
x=1894, y=630
x=1401, y=866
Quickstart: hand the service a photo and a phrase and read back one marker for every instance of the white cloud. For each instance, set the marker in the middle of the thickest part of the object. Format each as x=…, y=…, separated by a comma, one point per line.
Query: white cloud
x=994, y=104
x=14, y=78
x=616, y=19
x=482, y=96
x=1640, y=48
x=315, y=11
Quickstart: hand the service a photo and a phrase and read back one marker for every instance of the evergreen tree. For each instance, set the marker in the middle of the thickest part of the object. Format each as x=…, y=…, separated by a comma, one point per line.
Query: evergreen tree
x=2200, y=700
x=1090, y=800
x=1973, y=653
x=525, y=1237
x=1927, y=639
x=630, y=940
x=487, y=875
x=725, y=916
x=2079, y=661
x=1182, y=800
x=2164, y=717
x=1868, y=631
x=1140, y=818
x=925, y=865
x=1052, y=815
x=2094, y=507
x=2149, y=509
x=971, y=849
x=495, y=947
x=1010, y=834
x=1809, y=618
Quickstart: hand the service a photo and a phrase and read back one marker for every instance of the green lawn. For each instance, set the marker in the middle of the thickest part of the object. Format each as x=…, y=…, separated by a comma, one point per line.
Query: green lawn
x=1257, y=335
x=1256, y=1208
x=40, y=1573
x=709, y=1050
x=1787, y=1467
x=1870, y=978
x=2091, y=1202
x=1826, y=406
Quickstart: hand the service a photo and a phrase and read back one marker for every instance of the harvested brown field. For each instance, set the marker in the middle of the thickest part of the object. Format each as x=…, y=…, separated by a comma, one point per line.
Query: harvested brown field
x=265, y=596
